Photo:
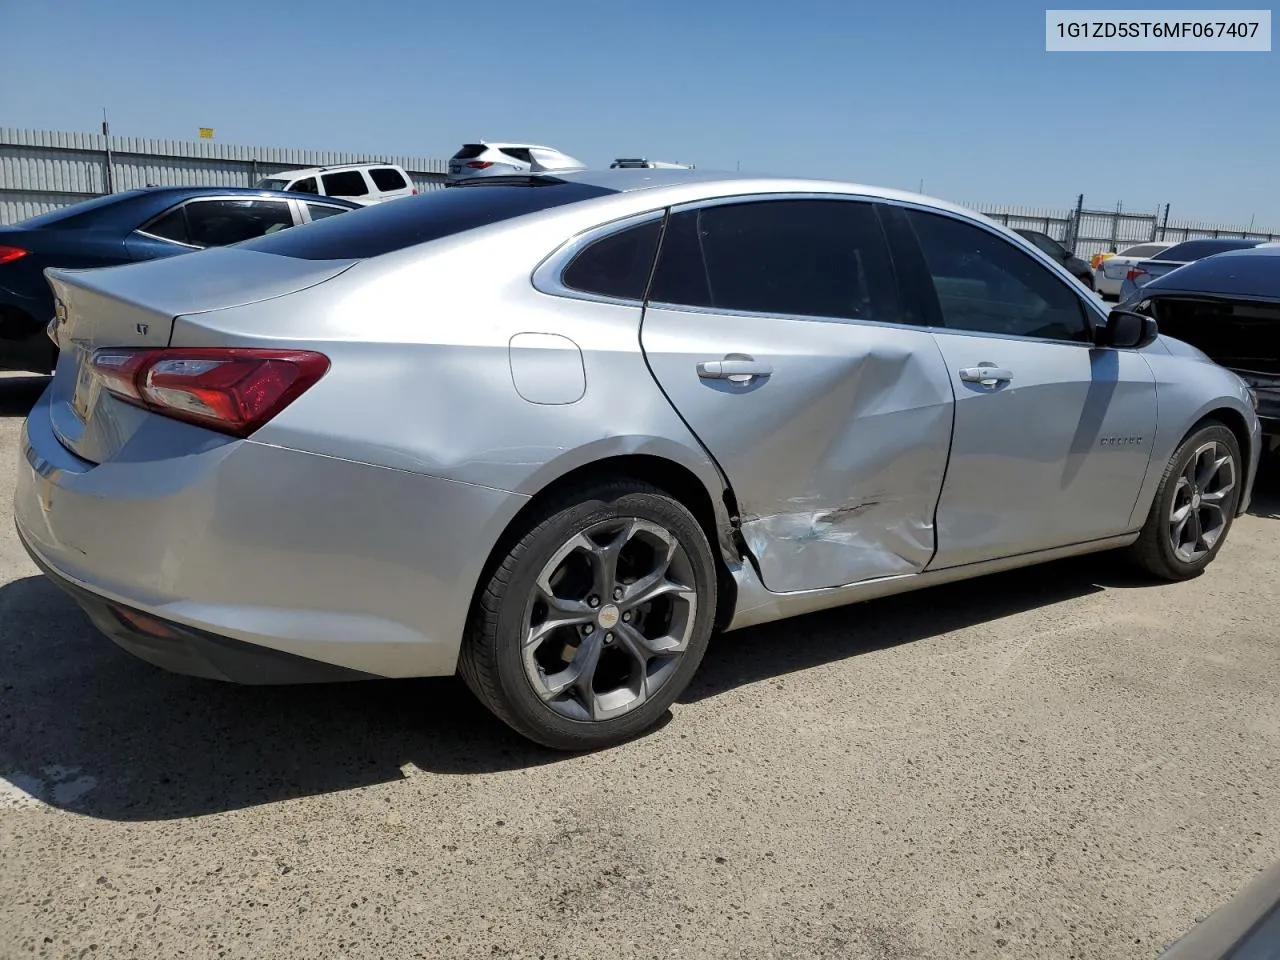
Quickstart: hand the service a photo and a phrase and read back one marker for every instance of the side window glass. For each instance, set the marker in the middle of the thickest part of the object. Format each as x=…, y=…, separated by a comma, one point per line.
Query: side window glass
x=169, y=226
x=617, y=265
x=986, y=284
x=345, y=183
x=319, y=211
x=216, y=223
x=387, y=179
x=815, y=258
x=305, y=186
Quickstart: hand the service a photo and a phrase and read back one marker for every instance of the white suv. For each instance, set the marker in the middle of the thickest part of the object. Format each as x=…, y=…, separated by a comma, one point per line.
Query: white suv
x=640, y=163
x=363, y=183
x=508, y=160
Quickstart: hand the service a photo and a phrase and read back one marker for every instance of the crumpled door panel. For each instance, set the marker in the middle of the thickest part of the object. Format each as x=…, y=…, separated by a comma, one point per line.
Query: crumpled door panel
x=836, y=457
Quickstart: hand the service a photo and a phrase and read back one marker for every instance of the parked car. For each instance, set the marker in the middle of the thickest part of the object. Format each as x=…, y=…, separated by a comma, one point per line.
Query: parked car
x=1051, y=247
x=639, y=163
x=362, y=183
x=1109, y=271
x=121, y=228
x=507, y=160
x=1140, y=274
x=1228, y=307
x=838, y=392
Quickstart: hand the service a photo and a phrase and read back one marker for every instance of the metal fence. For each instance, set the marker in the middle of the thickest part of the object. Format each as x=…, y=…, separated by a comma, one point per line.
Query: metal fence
x=1088, y=231
x=41, y=170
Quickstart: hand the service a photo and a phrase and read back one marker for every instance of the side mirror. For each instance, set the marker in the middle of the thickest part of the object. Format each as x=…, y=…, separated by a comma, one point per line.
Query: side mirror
x=1127, y=329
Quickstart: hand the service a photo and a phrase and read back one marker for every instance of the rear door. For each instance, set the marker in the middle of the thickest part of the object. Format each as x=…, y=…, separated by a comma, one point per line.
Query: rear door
x=774, y=327
x=348, y=184
x=1052, y=435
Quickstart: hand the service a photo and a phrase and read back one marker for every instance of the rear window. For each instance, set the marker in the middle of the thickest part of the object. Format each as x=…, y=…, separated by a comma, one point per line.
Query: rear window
x=346, y=183
x=387, y=178
x=1144, y=250
x=1197, y=249
x=470, y=151
x=69, y=215
x=270, y=184
x=387, y=227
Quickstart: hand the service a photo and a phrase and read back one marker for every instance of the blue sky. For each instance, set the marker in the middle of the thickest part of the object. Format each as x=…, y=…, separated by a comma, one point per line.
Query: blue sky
x=960, y=95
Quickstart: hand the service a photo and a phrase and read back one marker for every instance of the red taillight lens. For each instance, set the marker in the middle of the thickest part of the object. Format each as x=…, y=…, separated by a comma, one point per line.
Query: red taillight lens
x=415, y=191
x=9, y=254
x=480, y=164
x=233, y=390
x=1134, y=273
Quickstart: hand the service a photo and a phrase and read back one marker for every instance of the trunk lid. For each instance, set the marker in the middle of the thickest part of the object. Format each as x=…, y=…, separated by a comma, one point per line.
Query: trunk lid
x=135, y=306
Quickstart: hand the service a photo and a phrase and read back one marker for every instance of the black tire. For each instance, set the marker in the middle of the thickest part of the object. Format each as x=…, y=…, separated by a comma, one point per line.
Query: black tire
x=1154, y=550
x=491, y=661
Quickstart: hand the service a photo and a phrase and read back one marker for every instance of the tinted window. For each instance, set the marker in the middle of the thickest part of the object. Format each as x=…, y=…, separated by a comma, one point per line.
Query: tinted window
x=470, y=151
x=216, y=223
x=305, y=186
x=385, y=227
x=1195, y=249
x=169, y=226
x=272, y=184
x=618, y=265
x=346, y=183
x=1046, y=243
x=986, y=283
x=319, y=211
x=387, y=178
x=68, y=215
x=1144, y=250
x=518, y=153
x=819, y=258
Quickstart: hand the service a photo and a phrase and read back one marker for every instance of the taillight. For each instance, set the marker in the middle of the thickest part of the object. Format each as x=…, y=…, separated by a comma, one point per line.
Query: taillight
x=480, y=164
x=1134, y=273
x=9, y=254
x=233, y=390
x=415, y=191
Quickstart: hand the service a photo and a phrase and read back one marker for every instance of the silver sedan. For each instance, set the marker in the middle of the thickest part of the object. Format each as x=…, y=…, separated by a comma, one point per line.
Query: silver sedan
x=552, y=433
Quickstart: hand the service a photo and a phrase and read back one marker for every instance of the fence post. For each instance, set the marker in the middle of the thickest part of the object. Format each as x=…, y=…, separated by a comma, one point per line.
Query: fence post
x=253, y=171
x=1164, y=226
x=109, y=180
x=1073, y=231
x=1115, y=225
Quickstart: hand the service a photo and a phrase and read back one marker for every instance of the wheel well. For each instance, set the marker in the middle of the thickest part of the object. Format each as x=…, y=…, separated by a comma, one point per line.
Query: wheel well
x=674, y=479
x=1234, y=422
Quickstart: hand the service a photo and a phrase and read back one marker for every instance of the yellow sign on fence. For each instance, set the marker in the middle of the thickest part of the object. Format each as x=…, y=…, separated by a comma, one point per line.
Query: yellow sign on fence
x=206, y=133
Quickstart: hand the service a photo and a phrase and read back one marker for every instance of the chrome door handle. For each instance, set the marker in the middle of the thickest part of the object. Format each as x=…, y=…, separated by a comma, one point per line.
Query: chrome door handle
x=733, y=369
x=987, y=376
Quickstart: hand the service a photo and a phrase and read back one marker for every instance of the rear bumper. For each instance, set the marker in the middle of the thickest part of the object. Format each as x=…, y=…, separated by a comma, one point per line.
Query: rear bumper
x=236, y=544
x=183, y=649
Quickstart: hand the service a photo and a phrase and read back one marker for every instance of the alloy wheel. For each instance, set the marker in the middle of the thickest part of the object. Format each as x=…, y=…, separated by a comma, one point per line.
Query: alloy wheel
x=1198, y=515
x=610, y=616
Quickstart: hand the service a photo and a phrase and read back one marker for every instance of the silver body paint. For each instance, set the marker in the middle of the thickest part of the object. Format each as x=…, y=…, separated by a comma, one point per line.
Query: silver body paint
x=353, y=528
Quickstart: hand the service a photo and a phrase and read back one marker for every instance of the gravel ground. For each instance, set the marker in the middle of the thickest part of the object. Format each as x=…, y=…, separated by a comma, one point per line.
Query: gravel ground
x=1060, y=762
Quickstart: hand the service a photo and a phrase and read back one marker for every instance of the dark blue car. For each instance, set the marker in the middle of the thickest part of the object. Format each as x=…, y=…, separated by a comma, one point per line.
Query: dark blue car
x=1228, y=307
x=123, y=228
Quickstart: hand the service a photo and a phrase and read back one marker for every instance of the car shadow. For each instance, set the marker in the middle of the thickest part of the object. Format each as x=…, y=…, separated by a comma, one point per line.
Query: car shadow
x=18, y=394
x=88, y=728
x=1266, y=490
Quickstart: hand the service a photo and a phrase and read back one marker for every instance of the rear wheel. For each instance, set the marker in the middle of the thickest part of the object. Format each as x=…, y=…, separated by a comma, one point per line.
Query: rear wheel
x=1193, y=507
x=595, y=619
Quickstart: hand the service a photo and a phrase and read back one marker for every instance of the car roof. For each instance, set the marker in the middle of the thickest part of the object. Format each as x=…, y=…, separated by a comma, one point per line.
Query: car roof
x=313, y=171
x=1248, y=273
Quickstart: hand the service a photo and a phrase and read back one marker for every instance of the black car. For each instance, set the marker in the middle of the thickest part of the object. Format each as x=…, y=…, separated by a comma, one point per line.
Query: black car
x=1227, y=306
x=1075, y=266
x=123, y=228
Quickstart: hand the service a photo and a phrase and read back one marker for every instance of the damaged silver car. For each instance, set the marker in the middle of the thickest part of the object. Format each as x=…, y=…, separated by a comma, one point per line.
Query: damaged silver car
x=551, y=432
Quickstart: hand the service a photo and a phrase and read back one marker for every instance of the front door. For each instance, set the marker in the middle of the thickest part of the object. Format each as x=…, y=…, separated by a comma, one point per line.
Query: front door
x=774, y=328
x=1052, y=435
